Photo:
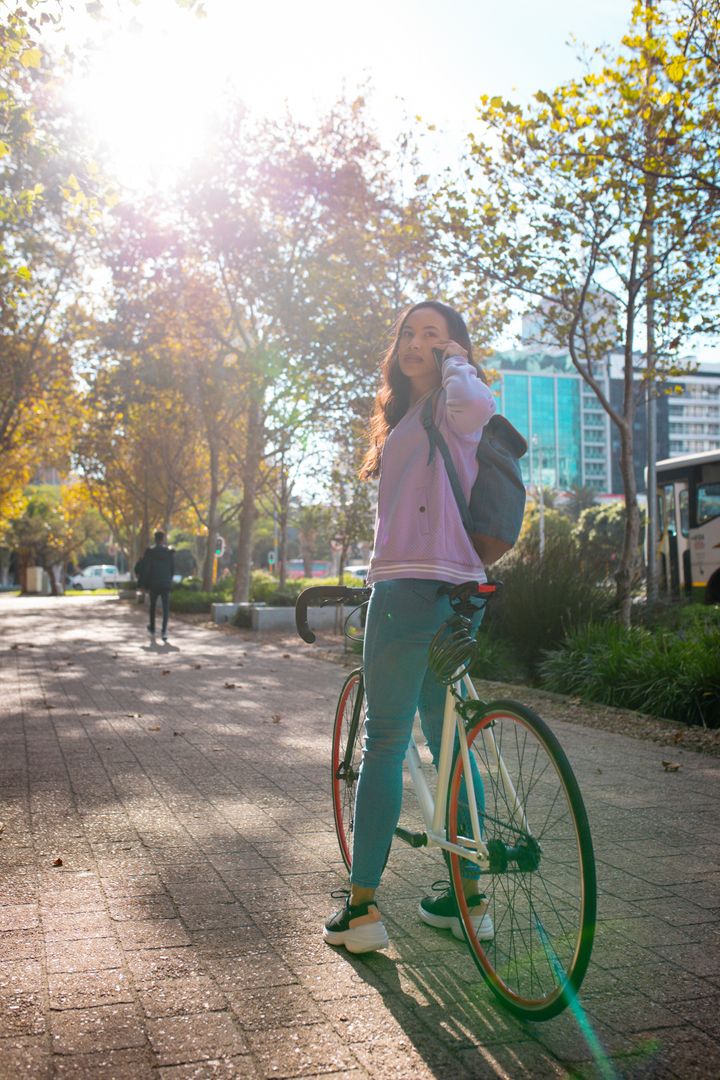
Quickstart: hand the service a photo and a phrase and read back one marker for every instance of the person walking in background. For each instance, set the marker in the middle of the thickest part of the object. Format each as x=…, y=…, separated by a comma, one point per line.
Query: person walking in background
x=154, y=572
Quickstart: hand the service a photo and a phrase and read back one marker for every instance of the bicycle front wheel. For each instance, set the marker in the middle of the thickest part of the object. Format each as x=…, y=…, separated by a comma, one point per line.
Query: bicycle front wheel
x=534, y=947
x=347, y=744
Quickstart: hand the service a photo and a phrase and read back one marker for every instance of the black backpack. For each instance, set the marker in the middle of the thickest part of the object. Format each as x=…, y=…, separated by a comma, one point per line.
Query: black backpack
x=497, y=500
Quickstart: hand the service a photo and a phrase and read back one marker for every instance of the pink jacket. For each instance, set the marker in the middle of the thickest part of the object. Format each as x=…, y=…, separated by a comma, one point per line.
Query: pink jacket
x=418, y=530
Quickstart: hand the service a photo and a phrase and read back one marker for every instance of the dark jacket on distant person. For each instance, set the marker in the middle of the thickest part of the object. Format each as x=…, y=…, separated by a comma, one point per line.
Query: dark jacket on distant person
x=156, y=568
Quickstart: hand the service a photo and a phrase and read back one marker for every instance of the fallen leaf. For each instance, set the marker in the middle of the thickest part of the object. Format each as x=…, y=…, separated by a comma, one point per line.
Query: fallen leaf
x=132, y=715
x=678, y=736
x=276, y=717
x=2, y=826
x=670, y=766
x=165, y=671
x=155, y=727
x=114, y=656
x=196, y=666
x=240, y=665
x=599, y=770
x=230, y=685
x=15, y=646
x=286, y=656
x=178, y=732
x=57, y=862
x=51, y=706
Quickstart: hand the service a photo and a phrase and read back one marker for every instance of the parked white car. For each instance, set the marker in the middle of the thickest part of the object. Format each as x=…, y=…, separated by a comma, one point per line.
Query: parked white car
x=97, y=577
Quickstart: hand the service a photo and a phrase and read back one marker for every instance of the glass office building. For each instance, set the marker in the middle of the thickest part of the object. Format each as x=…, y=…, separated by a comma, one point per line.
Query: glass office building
x=565, y=425
x=570, y=437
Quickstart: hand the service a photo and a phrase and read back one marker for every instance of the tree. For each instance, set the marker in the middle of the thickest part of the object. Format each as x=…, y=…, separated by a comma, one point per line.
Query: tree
x=58, y=524
x=314, y=524
x=557, y=212
x=50, y=194
x=351, y=499
x=599, y=535
x=313, y=249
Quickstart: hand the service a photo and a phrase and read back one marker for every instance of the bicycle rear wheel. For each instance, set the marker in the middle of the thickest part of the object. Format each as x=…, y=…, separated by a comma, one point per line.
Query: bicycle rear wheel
x=543, y=901
x=347, y=744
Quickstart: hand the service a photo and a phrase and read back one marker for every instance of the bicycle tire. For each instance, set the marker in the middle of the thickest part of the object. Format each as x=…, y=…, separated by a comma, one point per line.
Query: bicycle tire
x=544, y=917
x=347, y=744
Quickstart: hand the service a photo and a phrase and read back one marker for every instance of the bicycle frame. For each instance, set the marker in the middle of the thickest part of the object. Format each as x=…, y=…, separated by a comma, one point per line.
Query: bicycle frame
x=473, y=849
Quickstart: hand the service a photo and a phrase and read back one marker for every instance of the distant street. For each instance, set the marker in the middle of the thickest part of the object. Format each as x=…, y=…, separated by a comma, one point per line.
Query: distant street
x=167, y=855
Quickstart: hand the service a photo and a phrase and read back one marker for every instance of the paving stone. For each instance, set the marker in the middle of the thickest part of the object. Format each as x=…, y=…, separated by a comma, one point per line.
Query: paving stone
x=106, y=1027
x=139, y=934
x=25, y=1057
x=230, y=1068
x=77, y=990
x=93, y=955
x=177, y=996
x=294, y=1051
x=178, y=1040
x=135, y=1064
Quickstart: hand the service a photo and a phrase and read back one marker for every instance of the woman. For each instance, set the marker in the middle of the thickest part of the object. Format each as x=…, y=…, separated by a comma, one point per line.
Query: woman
x=420, y=546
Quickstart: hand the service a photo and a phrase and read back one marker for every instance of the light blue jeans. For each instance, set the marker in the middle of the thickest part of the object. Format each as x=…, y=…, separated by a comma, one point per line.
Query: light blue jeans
x=403, y=617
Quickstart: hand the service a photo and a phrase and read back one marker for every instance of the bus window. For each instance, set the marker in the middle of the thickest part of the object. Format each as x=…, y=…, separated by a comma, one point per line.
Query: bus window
x=708, y=502
x=670, y=510
x=684, y=500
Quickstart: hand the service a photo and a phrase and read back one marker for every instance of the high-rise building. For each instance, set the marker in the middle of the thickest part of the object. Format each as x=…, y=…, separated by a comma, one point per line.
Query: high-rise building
x=571, y=438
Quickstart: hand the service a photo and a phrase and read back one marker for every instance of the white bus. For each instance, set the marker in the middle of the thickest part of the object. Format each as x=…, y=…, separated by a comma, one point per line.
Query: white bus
x=688, y=534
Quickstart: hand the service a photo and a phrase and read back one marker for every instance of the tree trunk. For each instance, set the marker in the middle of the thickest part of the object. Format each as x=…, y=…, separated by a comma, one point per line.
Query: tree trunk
x=253, y=458
x=212, y=522
x=627, y=571
x=283, y=514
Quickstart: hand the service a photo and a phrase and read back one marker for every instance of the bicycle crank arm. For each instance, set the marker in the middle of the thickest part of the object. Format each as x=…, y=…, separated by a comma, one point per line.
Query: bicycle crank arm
x=414, y=839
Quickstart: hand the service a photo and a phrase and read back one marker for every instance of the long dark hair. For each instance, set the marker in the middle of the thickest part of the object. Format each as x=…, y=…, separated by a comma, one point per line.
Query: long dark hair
x=393, y=397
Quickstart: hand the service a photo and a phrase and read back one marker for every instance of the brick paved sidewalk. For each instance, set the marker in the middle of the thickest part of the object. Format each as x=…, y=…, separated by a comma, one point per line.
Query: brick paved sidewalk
x=185, y=790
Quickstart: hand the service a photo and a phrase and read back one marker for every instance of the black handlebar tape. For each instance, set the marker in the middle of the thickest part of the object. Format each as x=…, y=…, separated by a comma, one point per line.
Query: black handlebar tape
x=319, y=592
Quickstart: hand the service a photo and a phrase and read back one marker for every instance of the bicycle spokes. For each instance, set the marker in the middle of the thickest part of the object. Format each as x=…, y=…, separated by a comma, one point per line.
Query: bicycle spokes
x=540, y=885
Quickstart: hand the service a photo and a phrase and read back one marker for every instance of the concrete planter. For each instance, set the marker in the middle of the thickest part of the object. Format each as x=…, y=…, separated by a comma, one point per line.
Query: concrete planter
x=262, y=617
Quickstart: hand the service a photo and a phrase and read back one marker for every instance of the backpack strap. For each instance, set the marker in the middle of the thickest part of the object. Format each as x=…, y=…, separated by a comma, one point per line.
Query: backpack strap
x=436, y=440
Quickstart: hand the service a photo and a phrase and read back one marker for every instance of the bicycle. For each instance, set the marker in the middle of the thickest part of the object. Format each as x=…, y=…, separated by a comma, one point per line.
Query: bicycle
x=506, y=800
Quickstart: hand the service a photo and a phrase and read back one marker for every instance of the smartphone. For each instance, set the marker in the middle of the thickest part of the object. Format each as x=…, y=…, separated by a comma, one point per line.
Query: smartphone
x=439, y=355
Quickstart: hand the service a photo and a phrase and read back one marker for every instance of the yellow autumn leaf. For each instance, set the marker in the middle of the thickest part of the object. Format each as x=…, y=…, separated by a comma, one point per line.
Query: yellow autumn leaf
x=31, y=58
x=676, y=69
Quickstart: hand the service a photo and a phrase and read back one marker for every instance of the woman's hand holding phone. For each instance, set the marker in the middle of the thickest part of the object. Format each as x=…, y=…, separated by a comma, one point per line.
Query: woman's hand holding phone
x=450, y=349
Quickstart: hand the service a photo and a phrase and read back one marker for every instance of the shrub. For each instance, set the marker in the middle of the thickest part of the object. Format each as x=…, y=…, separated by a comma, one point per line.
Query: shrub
x=495, y=660
x=673, y=675
x=264, y=587
x=190, y=601
x=542, y=600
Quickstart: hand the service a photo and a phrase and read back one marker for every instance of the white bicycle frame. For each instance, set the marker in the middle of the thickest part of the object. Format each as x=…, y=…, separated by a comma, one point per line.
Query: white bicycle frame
x=473, y=849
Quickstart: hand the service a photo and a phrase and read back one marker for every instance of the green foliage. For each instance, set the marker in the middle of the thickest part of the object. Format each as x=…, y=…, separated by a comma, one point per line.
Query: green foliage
x=495, y=660
x=599, y=533
x=557, y=526
x=191, y=601
x=264, y=588
x=542, y=600
x=664, y=673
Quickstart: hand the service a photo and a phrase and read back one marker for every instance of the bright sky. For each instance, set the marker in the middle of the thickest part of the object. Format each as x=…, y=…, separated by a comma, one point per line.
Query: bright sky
x=156, y=72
